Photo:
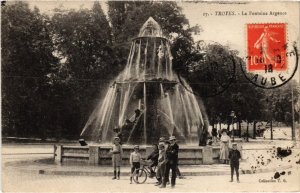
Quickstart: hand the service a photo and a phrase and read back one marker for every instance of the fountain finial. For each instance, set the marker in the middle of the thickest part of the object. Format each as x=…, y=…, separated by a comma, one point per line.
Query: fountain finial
x=151, y=29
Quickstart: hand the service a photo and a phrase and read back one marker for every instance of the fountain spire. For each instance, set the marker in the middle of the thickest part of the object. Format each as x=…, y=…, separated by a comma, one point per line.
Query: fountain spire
x=150, y=29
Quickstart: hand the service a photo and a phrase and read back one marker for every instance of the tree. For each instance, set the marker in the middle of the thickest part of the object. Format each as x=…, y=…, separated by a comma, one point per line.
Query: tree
x=27, y=59
x=281, y=102
x=217, y=71
x=83, y=40
x=83, y=43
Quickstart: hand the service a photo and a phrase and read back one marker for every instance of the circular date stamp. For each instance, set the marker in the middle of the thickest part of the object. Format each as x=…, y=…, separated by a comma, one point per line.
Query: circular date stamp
x=271, y=61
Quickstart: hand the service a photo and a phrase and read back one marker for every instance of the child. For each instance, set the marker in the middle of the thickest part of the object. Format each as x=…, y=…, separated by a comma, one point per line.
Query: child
x=117, y=153
x=161, y=167
x=135, y=160
x=234, y=157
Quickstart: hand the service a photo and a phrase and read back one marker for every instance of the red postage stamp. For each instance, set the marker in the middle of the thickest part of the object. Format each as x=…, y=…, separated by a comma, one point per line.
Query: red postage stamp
x=266, y=46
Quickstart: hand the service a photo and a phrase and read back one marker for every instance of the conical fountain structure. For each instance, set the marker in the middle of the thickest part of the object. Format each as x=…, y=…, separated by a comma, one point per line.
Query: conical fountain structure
x=146, y=101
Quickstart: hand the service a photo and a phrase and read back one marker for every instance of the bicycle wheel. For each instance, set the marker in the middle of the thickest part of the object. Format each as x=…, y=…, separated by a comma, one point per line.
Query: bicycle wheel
x=140, y=176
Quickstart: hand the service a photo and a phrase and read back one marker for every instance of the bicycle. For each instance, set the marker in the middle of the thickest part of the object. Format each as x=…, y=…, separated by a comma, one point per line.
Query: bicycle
x=140, y=175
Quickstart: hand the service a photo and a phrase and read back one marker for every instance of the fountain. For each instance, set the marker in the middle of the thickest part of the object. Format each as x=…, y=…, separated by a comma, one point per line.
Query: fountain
x=147, y=100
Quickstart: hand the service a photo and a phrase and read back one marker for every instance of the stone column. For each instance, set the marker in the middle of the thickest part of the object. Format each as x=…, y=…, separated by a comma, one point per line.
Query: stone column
x=207, y=155
x=58, y=151
x=93, y=155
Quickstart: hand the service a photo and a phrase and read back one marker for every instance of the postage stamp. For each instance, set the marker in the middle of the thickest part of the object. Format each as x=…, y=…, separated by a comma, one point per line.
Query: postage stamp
x=266, y=47
x=272, y=59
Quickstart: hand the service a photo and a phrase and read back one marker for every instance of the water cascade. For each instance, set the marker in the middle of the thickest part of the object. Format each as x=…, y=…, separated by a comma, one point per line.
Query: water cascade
x=146, y=101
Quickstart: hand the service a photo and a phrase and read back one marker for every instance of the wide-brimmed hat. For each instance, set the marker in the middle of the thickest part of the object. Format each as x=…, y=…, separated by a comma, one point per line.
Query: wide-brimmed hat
x=172, y=138
x=167, y=142
x=117, y=139
x=136, y=147
x=162, y=139
x=234, y=144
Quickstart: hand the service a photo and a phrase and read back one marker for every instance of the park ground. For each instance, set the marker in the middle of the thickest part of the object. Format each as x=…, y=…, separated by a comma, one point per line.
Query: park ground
x=16, y=180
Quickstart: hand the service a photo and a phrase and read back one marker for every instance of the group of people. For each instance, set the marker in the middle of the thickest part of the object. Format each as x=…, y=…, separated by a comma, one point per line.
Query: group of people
x=217, y=134
x=164, y=156
x=167, y=160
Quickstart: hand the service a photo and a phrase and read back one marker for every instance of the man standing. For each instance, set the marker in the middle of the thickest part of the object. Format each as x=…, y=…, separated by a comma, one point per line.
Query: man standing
x=171, y=161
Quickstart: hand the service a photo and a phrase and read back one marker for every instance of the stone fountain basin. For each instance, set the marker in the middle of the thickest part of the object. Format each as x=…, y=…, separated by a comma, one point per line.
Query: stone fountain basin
x=98, y=154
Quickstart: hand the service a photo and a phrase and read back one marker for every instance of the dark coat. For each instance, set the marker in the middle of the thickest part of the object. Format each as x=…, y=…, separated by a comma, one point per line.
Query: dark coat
x=214, y=132
x=234, y=156
x=154, y=156
x=172, y=154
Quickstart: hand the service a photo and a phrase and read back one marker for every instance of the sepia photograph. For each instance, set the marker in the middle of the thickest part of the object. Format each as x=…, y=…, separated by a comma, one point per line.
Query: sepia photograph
x=150, y=96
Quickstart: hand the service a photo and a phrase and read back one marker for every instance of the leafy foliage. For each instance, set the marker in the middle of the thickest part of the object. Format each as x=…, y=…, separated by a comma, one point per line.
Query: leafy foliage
x=26, y=61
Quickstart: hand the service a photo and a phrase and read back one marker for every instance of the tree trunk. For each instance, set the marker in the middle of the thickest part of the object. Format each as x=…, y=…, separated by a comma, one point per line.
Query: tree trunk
x=240, y=128
x=254, y=129
x=271, y=127
x=228, y=125
x=247, y=132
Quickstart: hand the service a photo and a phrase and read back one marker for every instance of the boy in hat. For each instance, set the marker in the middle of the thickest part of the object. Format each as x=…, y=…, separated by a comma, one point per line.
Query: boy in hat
x=117, y=152
x=234, y=157
x=171, y=162
x=135, y=160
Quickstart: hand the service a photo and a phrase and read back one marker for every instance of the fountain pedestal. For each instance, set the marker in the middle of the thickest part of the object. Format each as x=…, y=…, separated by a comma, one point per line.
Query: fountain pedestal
x=93, y=155
x=207, y=155
x=100, y=154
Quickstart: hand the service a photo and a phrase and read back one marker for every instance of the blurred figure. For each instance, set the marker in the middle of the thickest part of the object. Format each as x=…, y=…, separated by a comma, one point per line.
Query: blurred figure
x=154, y=158
x=224, y=151
x=161, y=167
x=214, y=134
x=137, y=114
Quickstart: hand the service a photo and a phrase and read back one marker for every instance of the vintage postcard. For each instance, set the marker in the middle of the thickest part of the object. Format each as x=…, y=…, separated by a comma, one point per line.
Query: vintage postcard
x=150, y=96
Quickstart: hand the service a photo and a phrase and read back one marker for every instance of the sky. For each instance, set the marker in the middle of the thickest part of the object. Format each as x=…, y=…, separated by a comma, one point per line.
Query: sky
x=221, y=28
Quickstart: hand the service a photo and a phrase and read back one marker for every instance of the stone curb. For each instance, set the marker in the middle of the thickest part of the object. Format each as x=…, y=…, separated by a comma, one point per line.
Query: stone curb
x=49, y=170
x=205, y=173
